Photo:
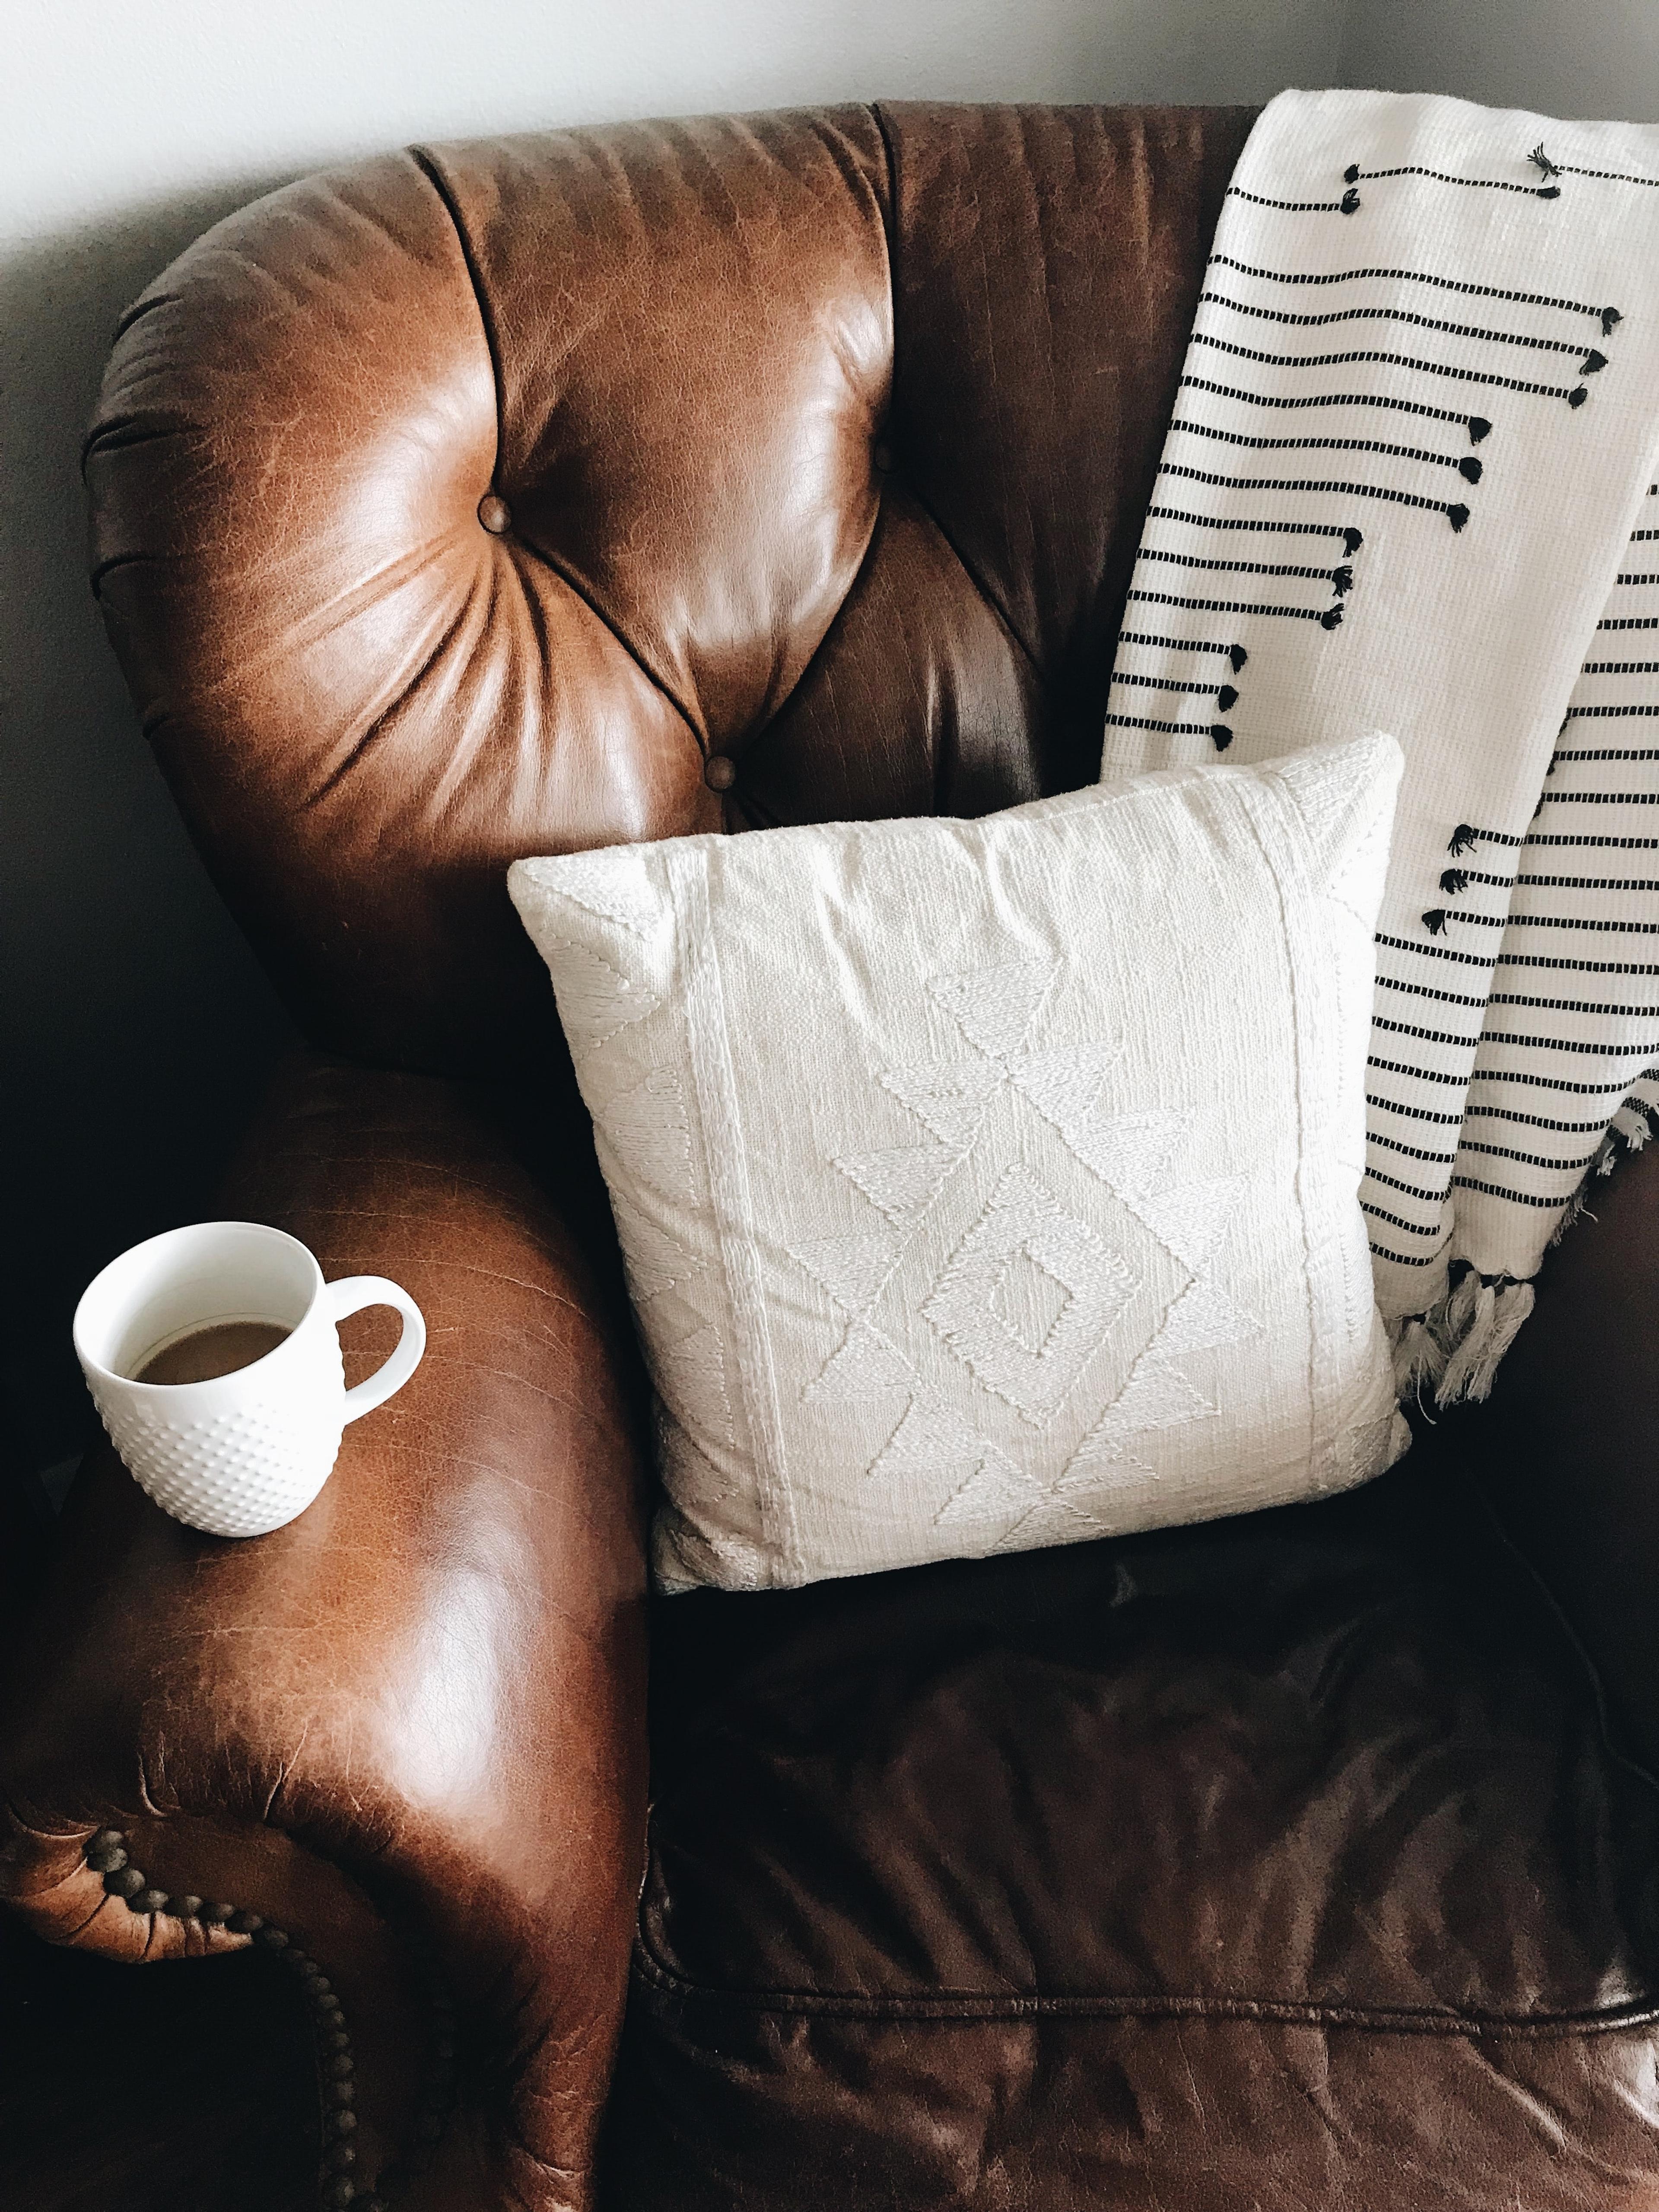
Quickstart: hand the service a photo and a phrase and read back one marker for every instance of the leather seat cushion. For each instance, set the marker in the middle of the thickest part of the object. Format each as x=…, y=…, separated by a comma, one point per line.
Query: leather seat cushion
x=1279, y=1862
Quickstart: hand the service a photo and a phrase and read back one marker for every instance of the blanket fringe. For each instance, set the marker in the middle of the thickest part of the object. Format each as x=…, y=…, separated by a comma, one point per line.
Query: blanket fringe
x=1451, y=1353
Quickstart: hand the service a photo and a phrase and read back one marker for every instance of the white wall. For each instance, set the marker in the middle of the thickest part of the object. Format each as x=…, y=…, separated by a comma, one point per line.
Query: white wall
x=137, y=1028
x=1577, y=57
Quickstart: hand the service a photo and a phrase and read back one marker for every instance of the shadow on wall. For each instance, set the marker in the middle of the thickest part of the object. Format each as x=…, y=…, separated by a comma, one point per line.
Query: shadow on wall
x=138, y=1027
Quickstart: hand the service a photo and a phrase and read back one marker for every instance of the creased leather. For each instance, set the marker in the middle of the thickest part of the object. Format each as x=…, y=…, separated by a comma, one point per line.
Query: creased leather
x=421, y=1703
x=1204, y=1867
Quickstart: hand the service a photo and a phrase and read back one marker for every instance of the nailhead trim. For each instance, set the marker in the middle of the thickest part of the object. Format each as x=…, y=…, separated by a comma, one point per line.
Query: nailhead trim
x=107, y=1856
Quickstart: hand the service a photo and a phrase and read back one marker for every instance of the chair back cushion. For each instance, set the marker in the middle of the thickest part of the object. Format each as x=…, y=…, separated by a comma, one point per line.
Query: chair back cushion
x=469, y=502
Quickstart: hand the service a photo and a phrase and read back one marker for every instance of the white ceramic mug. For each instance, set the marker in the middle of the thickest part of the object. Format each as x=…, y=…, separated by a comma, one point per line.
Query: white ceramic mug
x=243, y=1453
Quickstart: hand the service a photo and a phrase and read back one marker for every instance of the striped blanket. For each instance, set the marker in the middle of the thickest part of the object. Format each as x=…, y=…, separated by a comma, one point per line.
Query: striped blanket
x=1410, y=484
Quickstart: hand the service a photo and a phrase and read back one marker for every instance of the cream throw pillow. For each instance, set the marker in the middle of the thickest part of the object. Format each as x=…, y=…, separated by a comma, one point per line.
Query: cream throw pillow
x=990, y=1184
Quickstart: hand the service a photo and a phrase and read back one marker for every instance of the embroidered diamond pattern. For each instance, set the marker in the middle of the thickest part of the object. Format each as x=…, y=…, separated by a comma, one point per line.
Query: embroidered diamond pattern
x=1028, y=1300
x=1023, y=1221
x=1030, y=1291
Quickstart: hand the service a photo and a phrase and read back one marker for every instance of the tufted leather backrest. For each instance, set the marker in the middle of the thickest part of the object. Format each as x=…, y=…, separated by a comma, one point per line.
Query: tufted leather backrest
x=550, y=492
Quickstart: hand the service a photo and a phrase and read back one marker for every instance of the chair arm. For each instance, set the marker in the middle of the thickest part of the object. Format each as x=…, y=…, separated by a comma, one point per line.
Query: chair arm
x=408, y=1730
x=1568, y=1446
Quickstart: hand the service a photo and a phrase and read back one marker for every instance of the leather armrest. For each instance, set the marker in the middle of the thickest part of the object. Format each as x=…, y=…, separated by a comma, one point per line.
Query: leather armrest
x=409, y=1729
x=1568, y=1446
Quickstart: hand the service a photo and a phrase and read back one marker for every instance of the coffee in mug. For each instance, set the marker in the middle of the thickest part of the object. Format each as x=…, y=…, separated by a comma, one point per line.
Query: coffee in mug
x=220, y=1348
x=212, y=1355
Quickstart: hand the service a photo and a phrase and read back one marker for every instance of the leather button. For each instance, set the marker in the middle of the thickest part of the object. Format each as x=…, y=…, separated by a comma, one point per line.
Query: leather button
x=495, y=514
x=719, y=772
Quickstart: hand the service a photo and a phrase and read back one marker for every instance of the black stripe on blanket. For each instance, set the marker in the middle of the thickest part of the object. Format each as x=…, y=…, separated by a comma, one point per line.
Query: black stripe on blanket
x=1466, y=464
x=1217, y=732
x=1476, y=425
x=1594, y=359
x=1574, y=396
x=1341, y=579
x=1455, y=514
x=1352, y=539
x=1498, y=1190
x=1535, y=1121
x=1570, y=1005
x=1411, y=1113
x=1223, y=694
x=1411, y=1189
x=1406, y=1067
x=1435, y=951
x=1411, y=1228
x=1580, y=967
x=1327, y=620
x=1529, y=1159
x=1403, y=1259
x=1428, y=991
x=1600, y=799
x=1413, y=1151
x=1590, y=883
x=1353, y=174
x=1608, y=176
x=1429, y=1037
x=1550, y=1083
x=1533, y=922
x=1424, y=276
x=1297, y=207
x=1236, y=653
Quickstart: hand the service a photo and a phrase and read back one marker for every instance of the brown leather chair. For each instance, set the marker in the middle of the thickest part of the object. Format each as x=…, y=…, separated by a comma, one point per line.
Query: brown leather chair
x=543, y=492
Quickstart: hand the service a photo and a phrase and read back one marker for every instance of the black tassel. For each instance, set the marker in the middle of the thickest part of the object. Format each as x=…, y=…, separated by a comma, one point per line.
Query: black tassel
x=1469, y=469
x=1341, y=580
x=1592, y=363
x=1457, y=516
x=1226, y=697
x=1609, y=317
x=1350, y=202
x=1351, y=175
x=1541, y=162
x=1464, y=838
x=1454, y=880
x=1478, y=428
x=1352, y=539
x=1331, y=619
x=1577, y=398
x=1238, y=655
x=1435, y=921
x=1222, y=735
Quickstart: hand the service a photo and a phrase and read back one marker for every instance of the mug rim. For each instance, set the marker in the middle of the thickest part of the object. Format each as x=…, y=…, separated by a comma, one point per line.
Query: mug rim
x=94, y=1365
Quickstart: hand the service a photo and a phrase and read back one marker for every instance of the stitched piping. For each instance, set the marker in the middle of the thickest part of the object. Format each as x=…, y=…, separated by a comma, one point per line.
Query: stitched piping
x=958, y=2008
x=104, y=1855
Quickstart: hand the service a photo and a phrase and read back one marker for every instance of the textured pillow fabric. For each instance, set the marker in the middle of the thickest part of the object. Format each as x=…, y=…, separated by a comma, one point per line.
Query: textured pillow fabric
x=990, y=1184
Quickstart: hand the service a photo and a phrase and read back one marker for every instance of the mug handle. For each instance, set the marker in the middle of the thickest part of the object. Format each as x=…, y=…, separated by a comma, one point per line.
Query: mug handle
x=349, y=1296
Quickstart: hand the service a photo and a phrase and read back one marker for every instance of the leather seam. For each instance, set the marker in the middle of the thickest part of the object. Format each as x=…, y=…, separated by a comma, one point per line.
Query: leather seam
x=578, y=591
x=950, y=2008
x=991, y=599
x=429, y=168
